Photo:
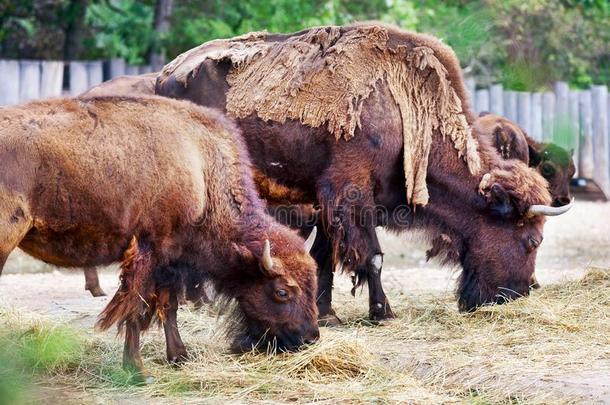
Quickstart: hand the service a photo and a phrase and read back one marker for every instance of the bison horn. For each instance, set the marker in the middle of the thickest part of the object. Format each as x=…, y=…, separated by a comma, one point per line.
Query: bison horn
x=311, y=239
x=267, y=261
x=549, y=211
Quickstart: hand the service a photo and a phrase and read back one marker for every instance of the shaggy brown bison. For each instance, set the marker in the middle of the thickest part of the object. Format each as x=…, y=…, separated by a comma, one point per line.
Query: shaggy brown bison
x=553, y=162
x=373, y=123
x=165, y=187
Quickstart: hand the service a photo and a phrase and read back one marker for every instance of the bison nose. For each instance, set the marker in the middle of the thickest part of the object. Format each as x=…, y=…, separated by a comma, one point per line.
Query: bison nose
x=561, y=201
x=312, y=337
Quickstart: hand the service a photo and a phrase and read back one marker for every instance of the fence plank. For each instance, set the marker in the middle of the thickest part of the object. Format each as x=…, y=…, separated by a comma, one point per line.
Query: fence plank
x=496, y=100
x=116, y=68
x=145, y=69
x=95, y=73
x=9, y=82
x=79, y=78
x=51, y=79
x=536, y=117
x=585, y=152
x=482, y=100
x=524, y=111
x=573, y=113
x=510, y=105
x=29, y=80
x=131, y=70
x=548, y=116
x=471, y=87
x=601, y=175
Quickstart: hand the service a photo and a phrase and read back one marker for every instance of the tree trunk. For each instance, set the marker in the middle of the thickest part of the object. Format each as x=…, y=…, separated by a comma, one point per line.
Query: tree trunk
x=75, y=29
x=163, y=12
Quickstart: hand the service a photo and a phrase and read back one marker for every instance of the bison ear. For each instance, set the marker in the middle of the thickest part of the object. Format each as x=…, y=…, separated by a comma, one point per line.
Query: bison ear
x=499, y=202
x=535, y=156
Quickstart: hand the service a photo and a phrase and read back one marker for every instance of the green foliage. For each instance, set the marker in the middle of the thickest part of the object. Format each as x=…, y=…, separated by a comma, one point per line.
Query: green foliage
x=124, y=29
x=524, y=44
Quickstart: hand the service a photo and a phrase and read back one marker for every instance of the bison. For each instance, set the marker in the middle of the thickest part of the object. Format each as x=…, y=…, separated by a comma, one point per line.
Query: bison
x=165, y=187
x=553, y=162
x=373, y=124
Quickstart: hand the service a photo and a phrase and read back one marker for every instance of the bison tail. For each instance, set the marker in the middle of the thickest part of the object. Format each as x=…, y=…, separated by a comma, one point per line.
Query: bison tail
x=134, y=300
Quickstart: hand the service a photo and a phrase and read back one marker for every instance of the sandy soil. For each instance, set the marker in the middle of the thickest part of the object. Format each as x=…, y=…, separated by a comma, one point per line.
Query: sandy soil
x=572, y=242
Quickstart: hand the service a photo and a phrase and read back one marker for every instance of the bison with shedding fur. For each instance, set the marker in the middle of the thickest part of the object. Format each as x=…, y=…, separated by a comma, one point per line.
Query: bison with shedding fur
x=165, y=187
x=349, y=116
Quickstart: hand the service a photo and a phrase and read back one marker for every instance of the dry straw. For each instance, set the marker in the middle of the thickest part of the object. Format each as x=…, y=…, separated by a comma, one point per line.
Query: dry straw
x=525, y=351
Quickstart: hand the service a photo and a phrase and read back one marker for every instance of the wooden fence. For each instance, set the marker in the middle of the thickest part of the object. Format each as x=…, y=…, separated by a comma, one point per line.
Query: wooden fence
x=25, y=80
x=575, y=119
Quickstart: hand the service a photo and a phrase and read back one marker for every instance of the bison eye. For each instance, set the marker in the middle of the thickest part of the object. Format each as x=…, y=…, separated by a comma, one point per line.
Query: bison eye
x=532, y=244
x=281, y=293
x=548, y=170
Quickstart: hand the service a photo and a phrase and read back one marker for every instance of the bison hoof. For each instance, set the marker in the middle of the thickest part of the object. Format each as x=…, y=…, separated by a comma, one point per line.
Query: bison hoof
x=178, y=358
x=96, y=292
x=141, y=378
x=329, y=320
x=380, y=312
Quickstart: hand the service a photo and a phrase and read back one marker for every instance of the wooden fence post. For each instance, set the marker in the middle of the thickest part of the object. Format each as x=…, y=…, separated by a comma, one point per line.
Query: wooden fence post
x=471, y=87
x=79, y=78
x=548, y=116
x=585, y=152
x=510, y=105
x=482, y=100
x=131, y=70
x=9, y=82
x=536, y=117
x=561, y=126
x=29, y=81
x=496, y=100
x=574, y=126
x=145, y=69
x=524, y=111
x=95, y=73
x=116, y=68
x=599, y=100
x=51, y=79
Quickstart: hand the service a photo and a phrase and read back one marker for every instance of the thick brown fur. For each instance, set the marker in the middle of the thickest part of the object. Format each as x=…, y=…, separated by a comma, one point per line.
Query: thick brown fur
x=360, y=183
x=131, y=86
x=165, y=187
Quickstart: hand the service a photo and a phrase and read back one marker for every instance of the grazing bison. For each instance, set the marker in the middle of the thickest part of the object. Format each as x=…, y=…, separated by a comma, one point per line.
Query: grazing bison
x=373, y=123
x=553, y=162
x=166, y=188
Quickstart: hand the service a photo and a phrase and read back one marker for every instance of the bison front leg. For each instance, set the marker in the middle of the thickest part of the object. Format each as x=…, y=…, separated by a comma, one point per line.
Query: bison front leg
x=351, y=217
x=92, y=282
x=379, y=306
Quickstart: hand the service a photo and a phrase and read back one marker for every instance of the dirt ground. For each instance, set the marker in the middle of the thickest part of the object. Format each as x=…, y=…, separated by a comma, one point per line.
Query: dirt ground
x=572, y=243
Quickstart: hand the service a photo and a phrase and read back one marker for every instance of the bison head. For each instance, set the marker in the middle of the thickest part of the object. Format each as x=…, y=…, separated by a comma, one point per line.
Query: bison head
x=557, y=167
x=499, y=245
x=277, y=301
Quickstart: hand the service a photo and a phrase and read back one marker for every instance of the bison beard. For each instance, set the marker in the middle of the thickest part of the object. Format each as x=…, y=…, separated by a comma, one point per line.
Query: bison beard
x=166, y=188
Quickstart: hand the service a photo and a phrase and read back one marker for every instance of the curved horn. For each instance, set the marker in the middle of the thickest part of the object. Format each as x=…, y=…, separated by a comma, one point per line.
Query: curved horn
x=311, y=239
x=549, y=211
x=266, y=260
